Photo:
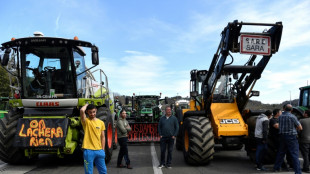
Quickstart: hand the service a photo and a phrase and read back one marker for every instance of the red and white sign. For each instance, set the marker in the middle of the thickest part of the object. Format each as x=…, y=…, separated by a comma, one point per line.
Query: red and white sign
x=255, y=44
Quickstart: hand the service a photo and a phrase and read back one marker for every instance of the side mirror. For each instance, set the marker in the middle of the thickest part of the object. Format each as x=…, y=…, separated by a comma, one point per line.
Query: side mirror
x=194, y=94
x=127, y=100
x=235, y=76
x=94, y=55
x=6, y=57
x=166, y=100
x=255, y=93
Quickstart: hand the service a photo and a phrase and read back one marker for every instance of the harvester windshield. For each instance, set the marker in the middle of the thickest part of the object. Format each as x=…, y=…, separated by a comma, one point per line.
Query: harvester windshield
x=47, y=72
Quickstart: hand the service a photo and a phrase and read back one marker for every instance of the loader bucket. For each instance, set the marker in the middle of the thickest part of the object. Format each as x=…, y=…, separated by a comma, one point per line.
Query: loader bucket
x=143, y=133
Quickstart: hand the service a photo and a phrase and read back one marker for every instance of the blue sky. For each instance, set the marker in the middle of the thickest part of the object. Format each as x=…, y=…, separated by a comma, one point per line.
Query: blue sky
x=148, y=47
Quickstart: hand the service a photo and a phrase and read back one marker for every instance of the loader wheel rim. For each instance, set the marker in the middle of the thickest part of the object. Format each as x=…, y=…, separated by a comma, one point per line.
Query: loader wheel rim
x=115, y=136
x=186, y=140
x=109, y=135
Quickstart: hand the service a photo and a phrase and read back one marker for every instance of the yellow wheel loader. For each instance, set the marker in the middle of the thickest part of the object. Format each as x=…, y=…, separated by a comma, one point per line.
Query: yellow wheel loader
x=220, y=94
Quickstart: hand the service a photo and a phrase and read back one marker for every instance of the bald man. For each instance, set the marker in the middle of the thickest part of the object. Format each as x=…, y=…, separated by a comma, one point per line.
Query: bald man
x=288, y=126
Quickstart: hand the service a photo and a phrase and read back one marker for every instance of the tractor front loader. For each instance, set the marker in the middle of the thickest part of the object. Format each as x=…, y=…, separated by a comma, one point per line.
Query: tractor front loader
x=219, y=94
x=52, y=83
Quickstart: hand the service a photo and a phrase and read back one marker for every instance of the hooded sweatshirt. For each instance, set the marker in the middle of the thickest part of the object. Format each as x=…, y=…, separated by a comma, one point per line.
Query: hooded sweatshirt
x=261, y=129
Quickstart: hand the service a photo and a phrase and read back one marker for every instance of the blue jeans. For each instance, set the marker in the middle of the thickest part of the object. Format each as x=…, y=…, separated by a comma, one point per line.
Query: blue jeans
x=97, y=156
x=123, y=151
x=164, y=142
x=288, y=143
x=260, y=152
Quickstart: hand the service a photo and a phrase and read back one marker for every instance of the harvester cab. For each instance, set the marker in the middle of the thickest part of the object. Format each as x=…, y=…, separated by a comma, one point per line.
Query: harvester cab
x=144, y=117
x=53, y=83
x=219, y=94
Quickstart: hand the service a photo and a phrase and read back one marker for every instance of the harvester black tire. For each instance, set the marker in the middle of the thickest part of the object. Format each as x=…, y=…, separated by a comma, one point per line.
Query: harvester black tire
x=8, y=129
x=104, y=114
x=198, y=148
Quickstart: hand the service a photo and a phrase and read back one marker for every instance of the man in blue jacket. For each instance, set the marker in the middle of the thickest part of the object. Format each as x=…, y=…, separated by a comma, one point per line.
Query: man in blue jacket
x=168, y=128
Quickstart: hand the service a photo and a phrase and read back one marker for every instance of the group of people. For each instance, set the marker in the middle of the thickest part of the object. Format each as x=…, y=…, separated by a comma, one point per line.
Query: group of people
x=94, y=139
x=288, y=134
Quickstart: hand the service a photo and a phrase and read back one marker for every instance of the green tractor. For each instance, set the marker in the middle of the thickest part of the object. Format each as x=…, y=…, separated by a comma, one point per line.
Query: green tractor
x=304, y=102
x=53, y=83
x=144, y=115
x=4, y=106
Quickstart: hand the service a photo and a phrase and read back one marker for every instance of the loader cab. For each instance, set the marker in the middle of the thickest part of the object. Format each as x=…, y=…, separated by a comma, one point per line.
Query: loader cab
x=224, y=91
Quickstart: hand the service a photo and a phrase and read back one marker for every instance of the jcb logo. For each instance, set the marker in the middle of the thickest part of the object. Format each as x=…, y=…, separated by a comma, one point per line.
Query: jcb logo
x=229, y=121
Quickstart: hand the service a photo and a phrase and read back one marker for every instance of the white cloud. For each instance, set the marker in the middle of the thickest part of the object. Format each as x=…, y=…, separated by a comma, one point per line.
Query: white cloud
x=144, y=73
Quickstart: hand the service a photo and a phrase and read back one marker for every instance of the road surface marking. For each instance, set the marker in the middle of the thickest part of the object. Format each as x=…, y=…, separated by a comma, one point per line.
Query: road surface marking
x=155, y=160
x=11, y=169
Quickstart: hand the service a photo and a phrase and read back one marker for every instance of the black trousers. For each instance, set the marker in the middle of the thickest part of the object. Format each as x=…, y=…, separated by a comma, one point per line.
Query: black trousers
x=123, y=151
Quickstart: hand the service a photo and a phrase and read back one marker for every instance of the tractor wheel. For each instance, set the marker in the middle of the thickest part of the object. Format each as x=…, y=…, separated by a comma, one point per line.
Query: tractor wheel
x=8, y=129
x=198, y=140
x=104, y=115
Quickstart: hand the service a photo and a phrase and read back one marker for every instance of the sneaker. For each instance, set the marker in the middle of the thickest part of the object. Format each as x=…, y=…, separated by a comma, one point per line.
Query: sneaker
x=168, y=166
x=120, y=166
x=161, y=166
x=261, y=169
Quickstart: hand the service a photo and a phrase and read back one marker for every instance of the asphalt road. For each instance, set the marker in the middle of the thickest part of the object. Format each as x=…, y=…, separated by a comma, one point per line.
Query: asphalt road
x=144, y=159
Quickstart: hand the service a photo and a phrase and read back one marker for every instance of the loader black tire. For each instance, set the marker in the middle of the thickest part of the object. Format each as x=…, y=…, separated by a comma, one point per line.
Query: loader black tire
x=179, y=139
x=104, y=114
x=8, y=129
x=250, y=145
x=198, y=147
x=270, y=155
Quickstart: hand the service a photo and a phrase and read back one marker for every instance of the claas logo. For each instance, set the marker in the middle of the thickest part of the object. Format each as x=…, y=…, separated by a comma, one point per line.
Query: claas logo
x=47, y=104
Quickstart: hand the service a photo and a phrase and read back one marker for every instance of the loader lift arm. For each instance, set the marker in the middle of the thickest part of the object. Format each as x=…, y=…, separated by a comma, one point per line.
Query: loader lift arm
x=249, y=72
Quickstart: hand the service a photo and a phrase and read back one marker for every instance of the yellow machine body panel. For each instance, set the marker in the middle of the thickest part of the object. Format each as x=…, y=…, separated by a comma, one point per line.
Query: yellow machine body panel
x=192, y=107
x=227, y=121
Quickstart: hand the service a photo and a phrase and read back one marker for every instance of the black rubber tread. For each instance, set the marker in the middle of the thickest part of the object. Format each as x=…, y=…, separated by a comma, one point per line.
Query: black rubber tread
x=103, y=114
x=270, y=156
x=201, y=140
x=8, y=129
x=179, y=138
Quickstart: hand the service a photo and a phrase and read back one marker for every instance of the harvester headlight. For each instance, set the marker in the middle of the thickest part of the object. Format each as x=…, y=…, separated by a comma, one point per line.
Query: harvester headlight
x=142, y=115
x=150, y=115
